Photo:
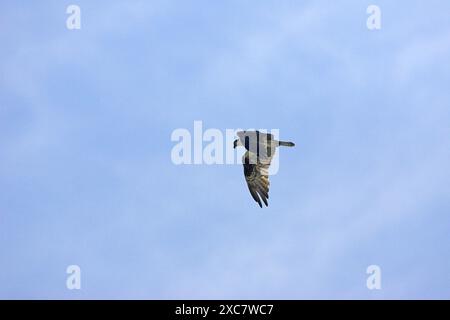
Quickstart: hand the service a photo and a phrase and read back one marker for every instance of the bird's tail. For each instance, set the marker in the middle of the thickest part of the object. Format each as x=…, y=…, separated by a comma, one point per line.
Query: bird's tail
x=286, y=143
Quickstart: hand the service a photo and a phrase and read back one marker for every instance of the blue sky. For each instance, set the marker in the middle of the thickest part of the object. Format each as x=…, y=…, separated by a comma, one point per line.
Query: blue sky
x=86, y=176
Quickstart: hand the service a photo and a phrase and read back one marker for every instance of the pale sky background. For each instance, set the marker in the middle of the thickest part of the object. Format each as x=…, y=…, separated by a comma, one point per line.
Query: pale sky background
x=86, y=176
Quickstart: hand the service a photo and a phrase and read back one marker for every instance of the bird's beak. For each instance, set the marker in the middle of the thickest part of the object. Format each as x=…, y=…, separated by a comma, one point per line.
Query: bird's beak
x=235, y=143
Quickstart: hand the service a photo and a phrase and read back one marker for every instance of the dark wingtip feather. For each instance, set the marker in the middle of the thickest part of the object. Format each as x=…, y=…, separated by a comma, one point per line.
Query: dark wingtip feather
x=265, y=201
x=255, y=196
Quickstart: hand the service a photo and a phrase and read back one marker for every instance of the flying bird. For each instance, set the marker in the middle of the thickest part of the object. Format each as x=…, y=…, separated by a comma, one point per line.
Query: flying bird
x=261, y=148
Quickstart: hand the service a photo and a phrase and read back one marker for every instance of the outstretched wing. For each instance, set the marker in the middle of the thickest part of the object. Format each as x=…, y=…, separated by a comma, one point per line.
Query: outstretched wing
x=257, y=176
x=253, y=134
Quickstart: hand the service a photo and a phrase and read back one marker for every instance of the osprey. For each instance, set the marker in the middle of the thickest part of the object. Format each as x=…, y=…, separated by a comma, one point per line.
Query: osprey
x=261, y=148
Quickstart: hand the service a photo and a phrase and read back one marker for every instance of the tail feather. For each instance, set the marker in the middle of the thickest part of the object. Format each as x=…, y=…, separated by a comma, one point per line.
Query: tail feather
x=286, y=143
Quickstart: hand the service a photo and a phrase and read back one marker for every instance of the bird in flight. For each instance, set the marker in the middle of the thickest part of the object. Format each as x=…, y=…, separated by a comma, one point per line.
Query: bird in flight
x=260, y=148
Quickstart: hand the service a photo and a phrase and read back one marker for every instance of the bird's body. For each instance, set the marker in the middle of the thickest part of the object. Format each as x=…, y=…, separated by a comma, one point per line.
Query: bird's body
x=261, y=148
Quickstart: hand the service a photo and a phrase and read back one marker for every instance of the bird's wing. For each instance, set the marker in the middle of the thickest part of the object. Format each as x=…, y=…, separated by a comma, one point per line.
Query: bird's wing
x=252, y=135
x=257, y=176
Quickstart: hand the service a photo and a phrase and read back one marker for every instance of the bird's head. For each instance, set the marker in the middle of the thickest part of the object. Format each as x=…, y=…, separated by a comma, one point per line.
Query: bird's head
x=238, y=142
